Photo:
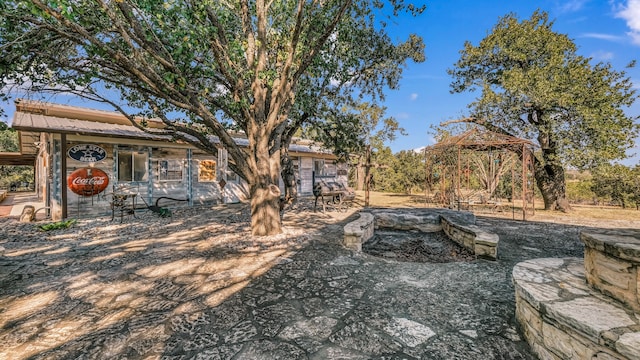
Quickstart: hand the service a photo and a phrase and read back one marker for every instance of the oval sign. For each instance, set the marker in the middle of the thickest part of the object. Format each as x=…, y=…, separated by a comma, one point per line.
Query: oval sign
x=88, y=181
x=87, y=153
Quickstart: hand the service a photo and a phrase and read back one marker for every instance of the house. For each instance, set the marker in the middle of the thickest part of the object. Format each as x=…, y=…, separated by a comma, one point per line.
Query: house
x=81, y=155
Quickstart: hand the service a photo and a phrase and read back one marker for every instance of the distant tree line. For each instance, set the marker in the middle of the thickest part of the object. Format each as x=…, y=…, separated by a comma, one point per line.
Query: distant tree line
x=405, y=173
x=609, y=184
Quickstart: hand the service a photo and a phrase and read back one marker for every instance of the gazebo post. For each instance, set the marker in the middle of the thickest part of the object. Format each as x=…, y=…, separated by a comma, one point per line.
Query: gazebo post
x=524, y=183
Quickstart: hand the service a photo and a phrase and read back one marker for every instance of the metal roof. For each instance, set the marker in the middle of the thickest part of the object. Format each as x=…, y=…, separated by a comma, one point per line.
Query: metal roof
x=25, y=121
x=32, y=123
x=478, y=139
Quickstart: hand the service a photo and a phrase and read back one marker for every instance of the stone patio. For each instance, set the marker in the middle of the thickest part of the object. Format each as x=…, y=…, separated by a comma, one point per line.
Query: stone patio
x=198, y=286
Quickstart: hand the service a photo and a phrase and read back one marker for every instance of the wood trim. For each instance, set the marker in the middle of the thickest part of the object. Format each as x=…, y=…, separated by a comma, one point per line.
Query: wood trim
x=63, y=173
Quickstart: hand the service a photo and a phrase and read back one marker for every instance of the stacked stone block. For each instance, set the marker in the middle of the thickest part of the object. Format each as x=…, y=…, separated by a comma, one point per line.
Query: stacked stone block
x=568, y=313
x=472, y=237
x=612, y=264
x=358, y=232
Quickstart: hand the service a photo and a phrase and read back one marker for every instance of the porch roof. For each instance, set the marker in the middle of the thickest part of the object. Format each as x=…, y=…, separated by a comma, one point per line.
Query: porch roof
x=12, y=158
x=24, y=121
x=30, y=124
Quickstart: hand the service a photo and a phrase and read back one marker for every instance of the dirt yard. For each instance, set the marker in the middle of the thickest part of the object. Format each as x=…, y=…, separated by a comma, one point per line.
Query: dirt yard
x=595, y=216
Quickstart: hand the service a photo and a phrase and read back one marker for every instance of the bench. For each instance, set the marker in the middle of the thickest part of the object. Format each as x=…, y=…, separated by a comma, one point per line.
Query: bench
x=337, y=194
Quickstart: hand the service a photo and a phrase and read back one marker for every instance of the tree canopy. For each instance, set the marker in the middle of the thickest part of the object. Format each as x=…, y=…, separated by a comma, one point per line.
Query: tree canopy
x=211, y=67
x=534, y=85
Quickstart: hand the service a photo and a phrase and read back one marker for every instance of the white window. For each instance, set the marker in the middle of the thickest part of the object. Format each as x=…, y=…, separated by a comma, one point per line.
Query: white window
x=323, y=167
x=132, y=165
x=170, y=170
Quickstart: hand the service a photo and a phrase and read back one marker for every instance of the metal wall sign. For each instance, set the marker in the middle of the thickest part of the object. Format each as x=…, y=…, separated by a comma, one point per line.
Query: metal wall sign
x=88, y=181
x=88, y=153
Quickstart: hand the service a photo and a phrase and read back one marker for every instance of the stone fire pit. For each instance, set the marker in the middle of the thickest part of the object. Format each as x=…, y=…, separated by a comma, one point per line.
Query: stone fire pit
x=458, y=226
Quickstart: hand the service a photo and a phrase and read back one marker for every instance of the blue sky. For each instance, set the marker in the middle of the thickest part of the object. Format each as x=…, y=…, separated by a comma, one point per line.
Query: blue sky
x=603, y=30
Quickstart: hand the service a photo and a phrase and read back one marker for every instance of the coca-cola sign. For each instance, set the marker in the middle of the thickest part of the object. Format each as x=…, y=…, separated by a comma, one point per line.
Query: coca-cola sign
x=88, y=181
x=88, y=153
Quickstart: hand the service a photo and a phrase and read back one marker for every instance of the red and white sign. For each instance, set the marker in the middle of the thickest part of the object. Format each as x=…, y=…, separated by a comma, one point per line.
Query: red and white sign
x=88, y=181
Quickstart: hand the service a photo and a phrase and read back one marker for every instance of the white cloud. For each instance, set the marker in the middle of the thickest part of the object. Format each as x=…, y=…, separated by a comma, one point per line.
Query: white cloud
x=402, y=116
x=631, y=13
x=572, y=6
x=602, y=55
x=414, y=96
x=599, y=36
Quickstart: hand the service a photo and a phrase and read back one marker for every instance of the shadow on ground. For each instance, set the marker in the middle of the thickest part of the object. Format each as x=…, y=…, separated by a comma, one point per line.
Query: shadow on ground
x=198, y=286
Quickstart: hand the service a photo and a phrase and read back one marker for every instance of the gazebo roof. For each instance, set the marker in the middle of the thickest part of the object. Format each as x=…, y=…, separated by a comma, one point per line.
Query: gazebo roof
x=477, y=139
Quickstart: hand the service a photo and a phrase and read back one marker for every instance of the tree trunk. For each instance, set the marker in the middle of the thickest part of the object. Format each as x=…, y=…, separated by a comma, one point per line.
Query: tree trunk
x=265, y=210
x=551, y=182
x=264, y=189
x=549, y=172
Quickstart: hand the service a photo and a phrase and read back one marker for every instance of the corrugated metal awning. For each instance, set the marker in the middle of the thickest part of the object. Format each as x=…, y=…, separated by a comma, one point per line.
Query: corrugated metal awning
x=43, y=123
x=33, y=123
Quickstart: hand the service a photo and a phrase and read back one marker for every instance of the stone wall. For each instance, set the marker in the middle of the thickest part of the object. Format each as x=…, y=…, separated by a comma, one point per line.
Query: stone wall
x=612, y=264
x=359, y=231
x=562, y=318
x=404, y=220
x=482, y=243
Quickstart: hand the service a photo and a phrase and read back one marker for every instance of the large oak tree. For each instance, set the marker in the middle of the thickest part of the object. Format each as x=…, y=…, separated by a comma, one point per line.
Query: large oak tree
x=208, y=67
x=534, y=85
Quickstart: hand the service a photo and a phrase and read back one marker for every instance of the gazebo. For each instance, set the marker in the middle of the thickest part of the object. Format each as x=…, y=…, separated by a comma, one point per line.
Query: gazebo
x=481, y=170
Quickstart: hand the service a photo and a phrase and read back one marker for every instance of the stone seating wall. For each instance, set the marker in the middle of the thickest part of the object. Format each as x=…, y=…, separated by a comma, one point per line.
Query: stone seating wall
x=612, y=264
x=482, y=243
x=358, y=232
x=563, y=318
x=472, y=237
x=3, y=195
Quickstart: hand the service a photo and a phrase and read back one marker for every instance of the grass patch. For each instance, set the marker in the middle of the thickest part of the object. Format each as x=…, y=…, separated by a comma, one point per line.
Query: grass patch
x=65, y=224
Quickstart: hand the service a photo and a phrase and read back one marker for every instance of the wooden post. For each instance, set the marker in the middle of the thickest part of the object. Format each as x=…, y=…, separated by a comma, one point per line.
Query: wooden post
x=458, y=191
x=524, y=183
x=63, y=173
x=367, y=175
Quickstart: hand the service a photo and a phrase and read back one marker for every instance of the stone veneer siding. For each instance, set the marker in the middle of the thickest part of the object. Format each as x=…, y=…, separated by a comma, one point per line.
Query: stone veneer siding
x=562, y=318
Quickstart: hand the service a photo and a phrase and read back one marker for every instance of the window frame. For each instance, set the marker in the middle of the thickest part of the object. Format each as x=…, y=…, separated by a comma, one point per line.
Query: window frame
x=130, y=154
x=180, y=166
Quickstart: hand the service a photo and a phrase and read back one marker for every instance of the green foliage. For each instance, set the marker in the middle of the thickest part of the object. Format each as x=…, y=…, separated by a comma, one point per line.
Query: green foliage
x=403, y=172
x=8, y=139
x=164, y=212
x=12, y=174
x=580, y=192
x=534, y=85
x=65, y=224
x=207, y=67
x=617, y=183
